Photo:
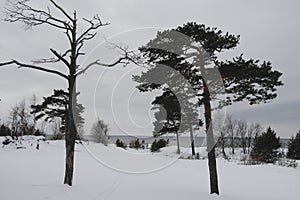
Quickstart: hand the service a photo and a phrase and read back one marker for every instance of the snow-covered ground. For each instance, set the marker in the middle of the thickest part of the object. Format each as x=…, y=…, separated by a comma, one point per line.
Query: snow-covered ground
x=111, y=173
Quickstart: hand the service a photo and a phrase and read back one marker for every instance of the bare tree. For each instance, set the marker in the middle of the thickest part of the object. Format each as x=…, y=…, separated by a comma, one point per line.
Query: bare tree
x=23, y=117
x=99, y=132
x=13, y=117
x=230, y=127
x=33, y=101
x=253, y=130
x=21, y=11
x=241, y=132
x=20, y=120
x=220, y=130
x=56, y=128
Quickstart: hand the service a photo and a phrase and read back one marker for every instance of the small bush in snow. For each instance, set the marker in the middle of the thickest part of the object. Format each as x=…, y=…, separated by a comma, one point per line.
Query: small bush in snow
x=287, y=163
x=157, y=145
x=135, y=144
x=121, y=144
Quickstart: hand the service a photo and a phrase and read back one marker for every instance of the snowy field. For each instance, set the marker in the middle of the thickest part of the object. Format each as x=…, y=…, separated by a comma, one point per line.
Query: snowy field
x=111, y=173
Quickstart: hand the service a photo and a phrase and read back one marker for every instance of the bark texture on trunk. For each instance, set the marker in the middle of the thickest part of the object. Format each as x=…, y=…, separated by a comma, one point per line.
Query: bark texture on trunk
x=70, y=134
x=212, y=164
x=69, y=163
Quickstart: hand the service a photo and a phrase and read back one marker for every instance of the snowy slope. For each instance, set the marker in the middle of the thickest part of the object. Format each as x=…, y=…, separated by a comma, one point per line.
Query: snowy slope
x=110, y=173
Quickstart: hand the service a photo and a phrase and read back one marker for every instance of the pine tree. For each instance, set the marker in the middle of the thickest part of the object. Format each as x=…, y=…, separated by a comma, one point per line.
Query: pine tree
x=191, y=50
x=265, y=146
x=168, y=116
x=55, y=106
x=294, y=147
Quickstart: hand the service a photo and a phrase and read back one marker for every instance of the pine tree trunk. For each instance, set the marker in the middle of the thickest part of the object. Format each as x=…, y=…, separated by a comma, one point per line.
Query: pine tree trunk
x=214, y=189
x=212, y=164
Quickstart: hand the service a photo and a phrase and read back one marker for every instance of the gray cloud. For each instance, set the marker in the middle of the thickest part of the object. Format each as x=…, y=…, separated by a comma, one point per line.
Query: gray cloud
x=269, y=31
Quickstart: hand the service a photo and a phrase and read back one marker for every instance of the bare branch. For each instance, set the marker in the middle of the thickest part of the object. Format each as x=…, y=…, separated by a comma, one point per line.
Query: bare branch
x=20, y=11
x=97, y=62
x=50, y=60
x=126, y=58
x=61, y=58
x=62, y=10
x=80, y=45
x=45, y=60
x=22, y=65
x=69, y=35
x=95, y=23
x=7, y=63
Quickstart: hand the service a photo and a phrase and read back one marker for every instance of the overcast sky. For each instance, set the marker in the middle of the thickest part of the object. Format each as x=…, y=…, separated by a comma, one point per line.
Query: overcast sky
x=269, y=31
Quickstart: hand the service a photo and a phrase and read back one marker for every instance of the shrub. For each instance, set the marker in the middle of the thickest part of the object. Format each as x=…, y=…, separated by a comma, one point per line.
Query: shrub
x=135, y=144
x=157, y=145
x=287, y=163
x=121, y=144
x=5, y=130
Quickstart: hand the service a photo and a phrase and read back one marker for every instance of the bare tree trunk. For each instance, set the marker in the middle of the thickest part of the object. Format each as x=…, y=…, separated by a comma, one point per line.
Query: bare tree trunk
x=223, y=144
x=192, y=140
x=232, y=144
x=70, y=132
x=69, y=162
x=177, y=140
